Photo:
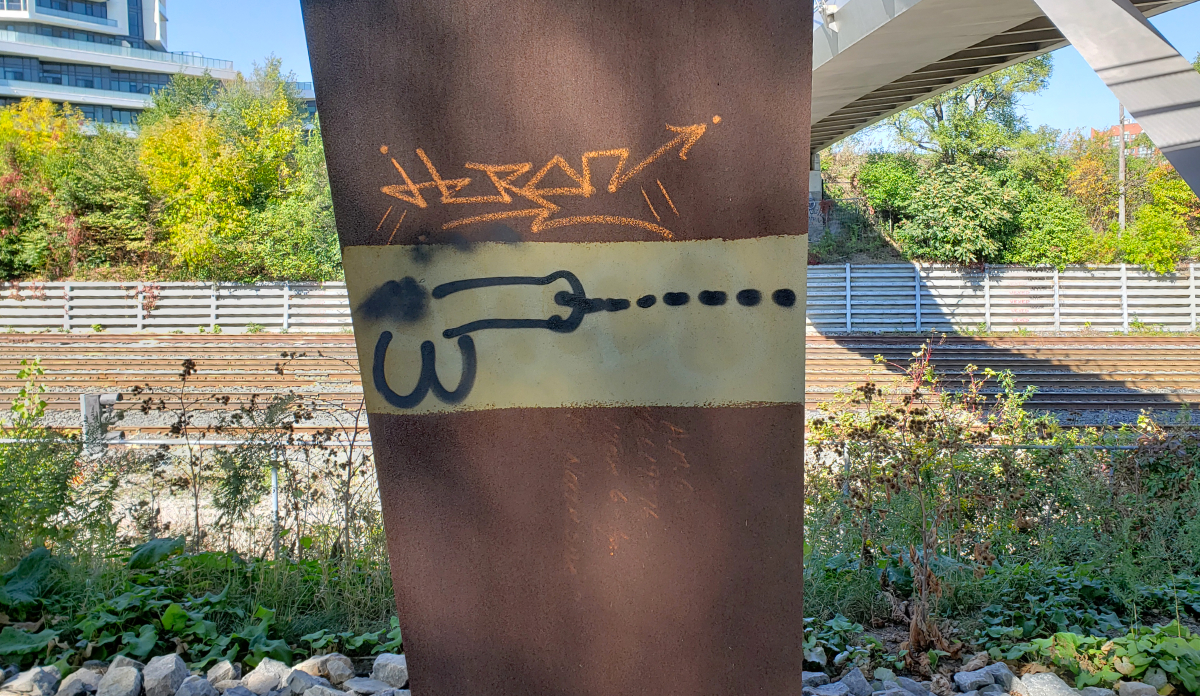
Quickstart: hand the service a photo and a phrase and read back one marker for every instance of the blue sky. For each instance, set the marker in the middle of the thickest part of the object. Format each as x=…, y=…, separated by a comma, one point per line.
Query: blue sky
x=245, y=31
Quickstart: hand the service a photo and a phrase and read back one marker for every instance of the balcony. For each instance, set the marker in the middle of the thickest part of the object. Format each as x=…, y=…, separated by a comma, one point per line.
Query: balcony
x=69, y=93
x=79, y=17
x=107, y=49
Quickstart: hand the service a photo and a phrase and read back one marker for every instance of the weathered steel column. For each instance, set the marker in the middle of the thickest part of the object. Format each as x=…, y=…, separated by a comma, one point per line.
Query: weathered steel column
x=574, y=239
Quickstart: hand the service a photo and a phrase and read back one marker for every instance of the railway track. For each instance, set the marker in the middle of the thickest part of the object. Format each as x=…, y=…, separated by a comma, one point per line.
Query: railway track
x=1073, y=374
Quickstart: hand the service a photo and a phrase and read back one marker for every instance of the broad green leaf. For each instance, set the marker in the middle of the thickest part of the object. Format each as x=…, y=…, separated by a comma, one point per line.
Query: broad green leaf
x=24, y=584
x=154, y=552
x=141, y=644
x=14, y=641
x=174, y=619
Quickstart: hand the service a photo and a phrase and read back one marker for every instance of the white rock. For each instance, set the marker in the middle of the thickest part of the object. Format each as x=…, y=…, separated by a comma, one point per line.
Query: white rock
x=39, y=681
x=268, y=676
x=196, y=686
x=121, y=681
x=973, y=680
x=1136, y=689
x=314, y=665
x=835, y=689
x=125, y=661
x=238, y=690
x=324, y=691
x=79, y=682
x=163, y=675
x=813, y=679
x=363, y=685
x=338, y=668
x=856, y=683
x=393, y=669
x=1096, y=691
x=1046, y=684
x=298, y=681
x=228, y=684
x=915, y=688
x=224, y=671
x=1001, y=674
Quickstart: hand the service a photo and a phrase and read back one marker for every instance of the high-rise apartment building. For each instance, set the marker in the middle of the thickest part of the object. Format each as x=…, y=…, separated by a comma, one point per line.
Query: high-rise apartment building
x=106, y=58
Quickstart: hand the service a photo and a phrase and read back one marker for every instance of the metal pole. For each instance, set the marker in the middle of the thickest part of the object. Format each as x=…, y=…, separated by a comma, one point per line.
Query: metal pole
x=1124, y=298
x=1057, y=306
x=917, y=293
x=287, y=302
x=1192, y=291
x=66, y=308
x=212, y=308
x=1121, y=165
x=275, y=511
x=849, y=315
x=987, y=297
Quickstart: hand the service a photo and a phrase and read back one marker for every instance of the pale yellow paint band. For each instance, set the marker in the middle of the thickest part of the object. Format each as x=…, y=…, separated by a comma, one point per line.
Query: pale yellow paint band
x=691, y=355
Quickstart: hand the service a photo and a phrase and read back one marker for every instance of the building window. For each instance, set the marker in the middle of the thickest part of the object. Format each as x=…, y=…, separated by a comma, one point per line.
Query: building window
x=135, y=19
x=91, y=9
x=14, y=74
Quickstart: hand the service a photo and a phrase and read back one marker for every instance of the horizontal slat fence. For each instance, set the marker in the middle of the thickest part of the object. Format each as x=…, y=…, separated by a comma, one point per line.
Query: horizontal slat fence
x=841, y=299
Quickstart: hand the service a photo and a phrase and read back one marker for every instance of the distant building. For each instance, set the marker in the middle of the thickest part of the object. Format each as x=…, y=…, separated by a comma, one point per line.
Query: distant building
x=1132, y=131
x=106, y=58
x=307, y=94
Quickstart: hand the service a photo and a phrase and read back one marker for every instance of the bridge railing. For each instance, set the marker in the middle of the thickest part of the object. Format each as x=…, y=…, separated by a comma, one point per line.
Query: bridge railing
x=842, y=298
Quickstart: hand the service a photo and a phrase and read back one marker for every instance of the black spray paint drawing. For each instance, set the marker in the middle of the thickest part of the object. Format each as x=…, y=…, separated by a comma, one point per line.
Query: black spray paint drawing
x=406, y=301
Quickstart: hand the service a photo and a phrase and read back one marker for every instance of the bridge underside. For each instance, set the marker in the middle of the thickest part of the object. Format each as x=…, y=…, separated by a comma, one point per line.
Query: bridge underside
x=875, y=58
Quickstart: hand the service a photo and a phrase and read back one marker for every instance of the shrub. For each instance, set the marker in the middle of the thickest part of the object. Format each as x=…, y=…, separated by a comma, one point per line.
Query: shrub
x=960, y=214
x=1053, y=230
x=1156, y=240
x=888, y=182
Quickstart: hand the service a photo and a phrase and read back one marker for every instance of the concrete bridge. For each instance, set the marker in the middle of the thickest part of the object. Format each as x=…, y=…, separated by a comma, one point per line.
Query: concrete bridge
x=874, y=58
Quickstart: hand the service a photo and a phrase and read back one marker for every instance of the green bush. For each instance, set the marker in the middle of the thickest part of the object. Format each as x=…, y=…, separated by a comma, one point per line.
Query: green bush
x=888, y=181
x=1053, y=231
x=960, y=214
x=1156, y=240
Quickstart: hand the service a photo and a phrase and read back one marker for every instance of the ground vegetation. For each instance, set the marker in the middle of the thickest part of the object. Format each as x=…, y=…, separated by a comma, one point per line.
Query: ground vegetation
x=942, y=518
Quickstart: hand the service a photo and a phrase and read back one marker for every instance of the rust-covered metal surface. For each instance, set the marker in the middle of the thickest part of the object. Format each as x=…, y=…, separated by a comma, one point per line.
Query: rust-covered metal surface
x=574, y=240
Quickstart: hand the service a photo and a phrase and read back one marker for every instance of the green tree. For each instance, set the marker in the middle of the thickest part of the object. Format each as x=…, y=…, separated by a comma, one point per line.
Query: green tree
x=295, y=236
x=960, y=214
x=213, y=167
x=109, y=197
x=888, y=181
x=183, y=94
x=978, y=121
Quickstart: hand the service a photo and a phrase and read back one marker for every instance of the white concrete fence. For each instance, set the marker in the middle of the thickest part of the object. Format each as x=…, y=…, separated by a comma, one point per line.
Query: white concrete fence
x=841, y=298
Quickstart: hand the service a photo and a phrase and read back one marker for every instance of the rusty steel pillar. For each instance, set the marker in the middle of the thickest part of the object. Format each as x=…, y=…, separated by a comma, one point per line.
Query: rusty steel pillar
x=574, y=239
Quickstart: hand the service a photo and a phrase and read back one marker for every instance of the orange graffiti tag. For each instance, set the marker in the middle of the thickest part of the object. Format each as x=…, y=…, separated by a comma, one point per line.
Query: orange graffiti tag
x=503, y=178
